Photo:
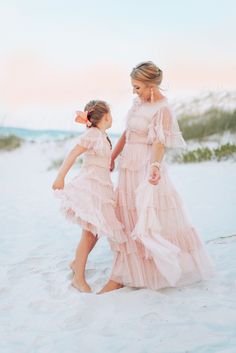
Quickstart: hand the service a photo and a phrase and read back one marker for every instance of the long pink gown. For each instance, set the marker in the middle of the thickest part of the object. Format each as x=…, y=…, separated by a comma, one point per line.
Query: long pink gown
x=89, y=198
x=163, y=249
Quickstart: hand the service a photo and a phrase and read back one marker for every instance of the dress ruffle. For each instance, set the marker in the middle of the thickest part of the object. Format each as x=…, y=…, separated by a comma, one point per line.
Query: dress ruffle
x=164, y=128
x=89, y=199
x=90, y=204
x=163, y=249
x=135, y=270
x=148, y=231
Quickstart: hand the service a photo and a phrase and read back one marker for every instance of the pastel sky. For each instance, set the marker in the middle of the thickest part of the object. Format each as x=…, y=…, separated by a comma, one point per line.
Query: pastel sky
x=57, y=55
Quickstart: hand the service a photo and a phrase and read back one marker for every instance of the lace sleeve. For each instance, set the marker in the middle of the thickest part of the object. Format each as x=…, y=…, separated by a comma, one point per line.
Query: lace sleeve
x=91, y=140
x=164, y=128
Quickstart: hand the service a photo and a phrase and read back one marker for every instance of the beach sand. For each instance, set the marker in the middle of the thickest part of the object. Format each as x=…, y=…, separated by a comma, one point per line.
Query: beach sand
x=40, y=312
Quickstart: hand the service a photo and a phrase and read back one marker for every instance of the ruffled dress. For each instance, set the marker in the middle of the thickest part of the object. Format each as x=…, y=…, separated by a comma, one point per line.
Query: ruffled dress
x=163, y=249
x=89, y=199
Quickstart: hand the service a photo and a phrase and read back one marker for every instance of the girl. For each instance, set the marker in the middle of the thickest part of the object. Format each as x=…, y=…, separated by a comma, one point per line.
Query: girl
x=88, y=199
x=163, y=249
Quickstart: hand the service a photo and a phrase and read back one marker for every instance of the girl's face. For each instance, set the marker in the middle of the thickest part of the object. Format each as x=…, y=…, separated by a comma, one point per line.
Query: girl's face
x=108, y=120
x=141, y=89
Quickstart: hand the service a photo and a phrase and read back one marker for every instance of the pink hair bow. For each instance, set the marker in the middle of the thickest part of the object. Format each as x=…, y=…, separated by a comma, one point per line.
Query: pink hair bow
x=82, y=117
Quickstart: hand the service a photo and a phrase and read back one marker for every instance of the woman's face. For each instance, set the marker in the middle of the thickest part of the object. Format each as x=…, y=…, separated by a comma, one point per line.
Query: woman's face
x=141, y=89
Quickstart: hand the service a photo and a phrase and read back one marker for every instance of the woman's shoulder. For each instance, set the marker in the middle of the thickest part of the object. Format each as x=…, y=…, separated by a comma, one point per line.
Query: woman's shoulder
x=161, y=103
x=157, y=105
x=163, y=106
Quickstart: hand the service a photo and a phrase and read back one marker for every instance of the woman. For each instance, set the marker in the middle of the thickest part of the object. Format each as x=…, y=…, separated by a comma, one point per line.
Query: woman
x=163, y=249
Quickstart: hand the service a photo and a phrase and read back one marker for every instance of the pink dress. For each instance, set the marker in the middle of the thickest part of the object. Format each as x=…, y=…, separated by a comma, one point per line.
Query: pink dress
x=89, y=199
x=163, y=249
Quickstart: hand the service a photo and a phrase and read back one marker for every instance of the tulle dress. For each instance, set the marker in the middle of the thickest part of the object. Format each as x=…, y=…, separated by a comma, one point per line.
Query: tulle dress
x=163, y=249
x=89, y=199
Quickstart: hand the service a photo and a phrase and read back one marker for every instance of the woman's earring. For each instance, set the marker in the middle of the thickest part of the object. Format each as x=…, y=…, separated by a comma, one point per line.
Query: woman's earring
x=152, y=96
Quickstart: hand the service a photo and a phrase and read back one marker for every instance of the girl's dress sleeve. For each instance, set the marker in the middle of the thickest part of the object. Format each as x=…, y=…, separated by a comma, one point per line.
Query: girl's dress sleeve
x=164, y=128
x=91, y=140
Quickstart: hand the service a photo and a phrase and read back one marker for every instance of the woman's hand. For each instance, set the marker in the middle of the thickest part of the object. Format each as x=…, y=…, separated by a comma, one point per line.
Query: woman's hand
x=112, y=165
x=58, y=183
x=154, y=177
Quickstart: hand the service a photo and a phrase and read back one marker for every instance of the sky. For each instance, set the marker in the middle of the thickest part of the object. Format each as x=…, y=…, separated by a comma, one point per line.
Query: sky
x=57, y=55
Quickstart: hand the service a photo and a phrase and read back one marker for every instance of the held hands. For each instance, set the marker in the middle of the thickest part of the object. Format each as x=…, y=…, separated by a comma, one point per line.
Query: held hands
x=154, y=177
x=58, y=183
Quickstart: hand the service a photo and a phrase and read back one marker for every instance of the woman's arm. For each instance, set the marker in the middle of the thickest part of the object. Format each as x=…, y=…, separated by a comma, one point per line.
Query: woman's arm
x=66, y=165
x=117, y=150
x=119, y=146
x=158, y=151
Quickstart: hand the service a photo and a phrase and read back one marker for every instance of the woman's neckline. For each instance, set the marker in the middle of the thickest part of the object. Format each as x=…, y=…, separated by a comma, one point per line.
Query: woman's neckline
x=164, y=99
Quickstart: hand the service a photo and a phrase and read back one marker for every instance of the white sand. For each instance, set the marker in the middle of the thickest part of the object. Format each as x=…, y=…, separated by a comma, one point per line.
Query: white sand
x=41, y=313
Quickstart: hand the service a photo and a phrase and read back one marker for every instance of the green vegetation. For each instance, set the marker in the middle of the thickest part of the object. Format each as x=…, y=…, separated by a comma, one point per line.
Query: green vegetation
x=224, y=151
x=209, y=123
x=10, y=142
x=206, y=154
x=198, y=155
x=56, y=163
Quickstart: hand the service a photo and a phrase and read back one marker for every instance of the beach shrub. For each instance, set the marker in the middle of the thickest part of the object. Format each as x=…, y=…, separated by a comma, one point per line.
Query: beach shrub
x=56, y=163
x=206, y=154
x=224, y=151
x=10, y=142
x=197, y=155
x=213, y=121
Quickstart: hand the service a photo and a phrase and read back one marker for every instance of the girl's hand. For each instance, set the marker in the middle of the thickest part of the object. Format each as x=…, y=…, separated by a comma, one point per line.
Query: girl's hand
x=154, y=177
x=58, y=183
x=112, y=165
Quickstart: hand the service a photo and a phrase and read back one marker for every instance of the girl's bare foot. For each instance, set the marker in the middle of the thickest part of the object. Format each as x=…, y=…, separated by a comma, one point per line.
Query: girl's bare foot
x=81, y=285
x=111, y=285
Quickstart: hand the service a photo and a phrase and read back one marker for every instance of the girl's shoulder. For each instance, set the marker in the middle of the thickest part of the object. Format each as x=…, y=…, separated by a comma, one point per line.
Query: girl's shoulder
x=91, y=131
x=90, y=137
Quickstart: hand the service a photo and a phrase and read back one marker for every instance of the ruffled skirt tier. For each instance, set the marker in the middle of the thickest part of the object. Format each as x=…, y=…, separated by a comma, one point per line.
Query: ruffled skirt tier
x=162, y=249
x=88, y=200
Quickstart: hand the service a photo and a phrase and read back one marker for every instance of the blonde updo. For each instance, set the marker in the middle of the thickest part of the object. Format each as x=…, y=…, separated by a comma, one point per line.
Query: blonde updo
x=147, y=72
x=96, y=110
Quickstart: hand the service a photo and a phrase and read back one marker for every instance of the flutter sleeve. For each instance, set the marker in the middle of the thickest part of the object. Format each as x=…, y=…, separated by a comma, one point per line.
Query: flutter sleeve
x=91, y=140
x=164, y=128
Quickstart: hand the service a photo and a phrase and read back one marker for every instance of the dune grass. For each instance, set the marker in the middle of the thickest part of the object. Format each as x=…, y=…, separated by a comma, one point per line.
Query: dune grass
x=213, y=121
x=225, y=151
x=201, y=154
x=10, y=142
x=56, y=163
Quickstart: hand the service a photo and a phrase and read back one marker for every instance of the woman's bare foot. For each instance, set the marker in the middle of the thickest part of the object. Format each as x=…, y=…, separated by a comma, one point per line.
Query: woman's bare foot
x=111, y=285
x=81, y=285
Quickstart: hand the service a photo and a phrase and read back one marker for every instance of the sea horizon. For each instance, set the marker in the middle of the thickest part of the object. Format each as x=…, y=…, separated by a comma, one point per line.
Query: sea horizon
x=41, y=134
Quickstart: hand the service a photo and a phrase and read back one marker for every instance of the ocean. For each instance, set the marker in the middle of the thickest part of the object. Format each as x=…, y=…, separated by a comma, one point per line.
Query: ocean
x=41, y=135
